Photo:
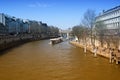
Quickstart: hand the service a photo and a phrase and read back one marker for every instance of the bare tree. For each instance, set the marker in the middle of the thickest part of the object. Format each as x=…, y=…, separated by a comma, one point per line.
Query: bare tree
x=88, y=21
x=108, y=36
x=112, y=38
x=100, y=28
x=78, y=31
x=82, y=33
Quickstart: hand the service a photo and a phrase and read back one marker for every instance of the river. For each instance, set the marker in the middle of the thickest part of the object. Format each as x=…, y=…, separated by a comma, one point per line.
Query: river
x=39, y=60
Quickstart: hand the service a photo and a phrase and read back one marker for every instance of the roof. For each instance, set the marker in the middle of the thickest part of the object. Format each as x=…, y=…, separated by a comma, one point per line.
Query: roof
x=109, y=11
x=115, y=8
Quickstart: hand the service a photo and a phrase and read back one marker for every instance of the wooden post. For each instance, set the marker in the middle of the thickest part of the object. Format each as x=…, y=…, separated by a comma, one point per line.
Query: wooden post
x=85, y=49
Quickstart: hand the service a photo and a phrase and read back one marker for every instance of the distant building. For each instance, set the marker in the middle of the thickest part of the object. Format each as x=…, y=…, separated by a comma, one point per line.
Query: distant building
x=13, y=25
x=2, y=18
x=111, y=18
x=26, y=26
x=65, y=33
x=3, y=29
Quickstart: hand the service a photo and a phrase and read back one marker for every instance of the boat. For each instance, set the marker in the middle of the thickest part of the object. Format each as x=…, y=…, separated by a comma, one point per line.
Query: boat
x=56, y=40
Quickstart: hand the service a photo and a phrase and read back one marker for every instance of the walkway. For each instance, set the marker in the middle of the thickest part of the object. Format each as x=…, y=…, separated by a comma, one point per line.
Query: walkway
x=104, y=52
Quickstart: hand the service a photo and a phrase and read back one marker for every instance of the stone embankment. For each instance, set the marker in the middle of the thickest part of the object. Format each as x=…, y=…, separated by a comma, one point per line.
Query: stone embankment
x=104, y=52
x=7, y=42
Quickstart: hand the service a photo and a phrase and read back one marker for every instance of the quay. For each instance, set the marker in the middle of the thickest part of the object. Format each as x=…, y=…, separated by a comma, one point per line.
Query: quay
x=10, y=41
x=101, y=51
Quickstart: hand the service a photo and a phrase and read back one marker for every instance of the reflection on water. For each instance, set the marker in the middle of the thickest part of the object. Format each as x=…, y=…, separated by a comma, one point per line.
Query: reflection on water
x=42, y=61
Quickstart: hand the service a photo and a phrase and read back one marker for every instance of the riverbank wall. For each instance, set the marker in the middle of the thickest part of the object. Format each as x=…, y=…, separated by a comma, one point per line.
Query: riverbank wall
x=99, y=52
x=10, y=42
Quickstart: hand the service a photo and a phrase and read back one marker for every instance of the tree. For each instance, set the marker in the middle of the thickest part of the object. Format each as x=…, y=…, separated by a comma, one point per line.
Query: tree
x=77, y=31
x=112, y=38
x=105, y=35
x=100, y=28
x=88, y=21
x=53, y=31
x=2, y=29
x=80, y=31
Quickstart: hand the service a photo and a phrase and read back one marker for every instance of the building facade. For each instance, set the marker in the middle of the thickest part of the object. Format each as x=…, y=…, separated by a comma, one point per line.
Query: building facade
x=111, y=18
x=2, y=18
x=111, y=31
x=13, y=25
x=3, y=29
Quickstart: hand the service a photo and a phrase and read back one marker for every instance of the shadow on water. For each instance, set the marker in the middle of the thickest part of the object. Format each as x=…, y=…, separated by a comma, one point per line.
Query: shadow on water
x=5, y=51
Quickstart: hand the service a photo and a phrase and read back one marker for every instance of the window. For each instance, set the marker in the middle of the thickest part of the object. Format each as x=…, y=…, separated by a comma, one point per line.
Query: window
x=118, y=24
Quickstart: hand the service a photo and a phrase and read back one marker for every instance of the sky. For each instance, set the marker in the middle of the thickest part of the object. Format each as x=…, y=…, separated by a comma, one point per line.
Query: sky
x=60, y=13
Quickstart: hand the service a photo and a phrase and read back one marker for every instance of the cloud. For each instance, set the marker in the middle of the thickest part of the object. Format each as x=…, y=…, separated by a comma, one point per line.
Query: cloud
x=38, y=4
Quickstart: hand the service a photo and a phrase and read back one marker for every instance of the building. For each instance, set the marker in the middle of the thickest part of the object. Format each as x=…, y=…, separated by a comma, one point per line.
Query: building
x=111, y=18
x=2, y=18
x=13, y=25
x=66, y=33
x=25, y=26
x=3, y=28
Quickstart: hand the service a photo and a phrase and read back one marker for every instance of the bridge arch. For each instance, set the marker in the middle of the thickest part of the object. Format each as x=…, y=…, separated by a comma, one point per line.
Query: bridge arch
x=65, y=33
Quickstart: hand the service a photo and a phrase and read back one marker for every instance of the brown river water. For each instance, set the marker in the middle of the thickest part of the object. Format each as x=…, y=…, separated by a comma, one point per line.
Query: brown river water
x=39, y=60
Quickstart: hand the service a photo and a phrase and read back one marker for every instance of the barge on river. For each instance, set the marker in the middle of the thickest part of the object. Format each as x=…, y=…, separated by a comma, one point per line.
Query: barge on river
x=56, y=40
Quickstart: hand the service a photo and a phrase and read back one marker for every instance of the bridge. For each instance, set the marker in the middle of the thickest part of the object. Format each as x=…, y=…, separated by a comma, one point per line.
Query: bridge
x=65, y=33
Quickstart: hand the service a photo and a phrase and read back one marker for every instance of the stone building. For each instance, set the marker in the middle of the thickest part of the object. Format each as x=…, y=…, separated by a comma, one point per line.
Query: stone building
x=2, y=18
x=13, y=25
x=111, y=18
x=3, y=29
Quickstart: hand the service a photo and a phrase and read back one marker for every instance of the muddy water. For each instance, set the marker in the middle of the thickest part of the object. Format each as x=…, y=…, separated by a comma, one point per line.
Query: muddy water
x=41, y=61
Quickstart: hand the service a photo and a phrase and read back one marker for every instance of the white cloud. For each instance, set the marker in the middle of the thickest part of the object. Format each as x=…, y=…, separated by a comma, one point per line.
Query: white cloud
x=37, y=4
